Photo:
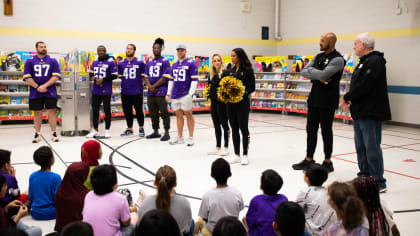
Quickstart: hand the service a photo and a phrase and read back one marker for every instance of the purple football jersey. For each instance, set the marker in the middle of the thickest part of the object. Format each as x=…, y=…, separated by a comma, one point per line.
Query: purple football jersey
x=41, y=70
x=102, y=69
x=131, y=72
x=156, y=69
x=182, y=74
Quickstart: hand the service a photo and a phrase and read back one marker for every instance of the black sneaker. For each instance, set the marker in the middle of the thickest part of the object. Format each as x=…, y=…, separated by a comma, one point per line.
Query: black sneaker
x=302, y=165
x=127, y=132
x=141, y=132
x=165, y=137
x=328, y=166
x=383, y=189
x=153, y=135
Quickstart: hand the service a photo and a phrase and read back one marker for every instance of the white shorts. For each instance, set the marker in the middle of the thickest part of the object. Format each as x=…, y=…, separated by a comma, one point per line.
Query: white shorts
x=184, y=103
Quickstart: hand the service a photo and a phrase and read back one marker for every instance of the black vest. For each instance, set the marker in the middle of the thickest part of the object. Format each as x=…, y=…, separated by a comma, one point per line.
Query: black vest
x=326, y=95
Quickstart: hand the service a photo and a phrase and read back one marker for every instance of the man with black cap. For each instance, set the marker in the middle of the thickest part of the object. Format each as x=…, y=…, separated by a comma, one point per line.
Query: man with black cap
x=181, y=88
x=325, y=72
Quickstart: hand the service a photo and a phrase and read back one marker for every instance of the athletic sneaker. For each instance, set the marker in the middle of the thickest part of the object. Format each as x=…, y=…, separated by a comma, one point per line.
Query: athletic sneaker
x=224, y=152
x=244, y=160
x=127, y=132
x=165, y=137
x=178, y=140
x=36, y=138
x=215, y=152
x=234, y=160
x=153, y=135
x=92, y=134
x=302, y=165
x=54, y=137
x=382, y=189
x=190, y=141
x=141, y=132
x=328, y=166
x=107, y=133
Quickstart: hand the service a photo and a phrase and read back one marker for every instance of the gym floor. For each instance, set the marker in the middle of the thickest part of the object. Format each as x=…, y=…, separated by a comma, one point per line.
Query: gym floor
x=277, y=142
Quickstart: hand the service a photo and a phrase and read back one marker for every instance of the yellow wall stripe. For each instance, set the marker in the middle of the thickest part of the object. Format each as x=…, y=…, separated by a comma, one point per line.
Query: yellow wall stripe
x=408, y=32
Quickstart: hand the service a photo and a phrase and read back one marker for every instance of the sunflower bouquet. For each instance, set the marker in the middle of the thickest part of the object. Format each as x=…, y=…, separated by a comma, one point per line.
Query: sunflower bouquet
x=231, y=90
x=206, y=91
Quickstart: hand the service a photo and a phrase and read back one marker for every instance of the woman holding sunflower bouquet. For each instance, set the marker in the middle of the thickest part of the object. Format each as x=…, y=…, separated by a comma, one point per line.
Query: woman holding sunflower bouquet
x=217, y=109
x=236, y=87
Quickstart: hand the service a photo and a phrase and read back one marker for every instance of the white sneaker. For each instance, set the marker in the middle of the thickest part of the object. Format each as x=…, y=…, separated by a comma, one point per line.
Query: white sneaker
x=178, y=140
x=244, y=160
x=224, y=152
x=36, y=138
x=107, y=133
x=92, y=134
x=235, y=160
x=190, y=141
x=214, y=152
x=54, y=137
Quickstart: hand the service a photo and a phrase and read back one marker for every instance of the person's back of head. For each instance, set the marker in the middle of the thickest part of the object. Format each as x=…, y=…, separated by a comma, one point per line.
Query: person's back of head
x=289, y=219
x=220, y=171
x=103, y=179
x=349, y=208
x=4, y=157
x=316, y=174
x=229, y=226
x=368, y=191
x=157, y=223
x=44, y=157
x=165, y=181
x=271, y=182
x=78, y=228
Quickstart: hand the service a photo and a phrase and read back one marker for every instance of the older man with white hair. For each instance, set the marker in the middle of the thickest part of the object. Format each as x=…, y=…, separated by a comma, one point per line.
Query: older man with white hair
x=368, y=102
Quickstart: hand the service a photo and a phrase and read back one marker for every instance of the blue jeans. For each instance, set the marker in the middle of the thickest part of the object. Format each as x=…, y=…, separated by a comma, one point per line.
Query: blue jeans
x=367, y=138
x=30, y=230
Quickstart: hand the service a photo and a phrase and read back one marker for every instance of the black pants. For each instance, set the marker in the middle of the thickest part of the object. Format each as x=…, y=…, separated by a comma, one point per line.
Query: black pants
x=219, y=116
x=317, y=116
x=158, y=104
x=238, y=114
x=128, y=101
x=96, y=104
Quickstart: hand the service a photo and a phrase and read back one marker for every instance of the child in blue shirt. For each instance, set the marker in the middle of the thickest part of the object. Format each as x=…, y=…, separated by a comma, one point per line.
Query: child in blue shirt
x=43, y=185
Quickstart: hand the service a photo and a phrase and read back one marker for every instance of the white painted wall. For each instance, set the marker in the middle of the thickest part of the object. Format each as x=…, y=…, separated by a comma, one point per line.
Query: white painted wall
x=306, y=18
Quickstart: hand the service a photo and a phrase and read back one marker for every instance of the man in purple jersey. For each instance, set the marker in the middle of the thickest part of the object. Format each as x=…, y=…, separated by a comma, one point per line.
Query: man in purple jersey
x=130, y=70
x=104, y=71
x=158, y=72
x=41, y=72
x=181, y=89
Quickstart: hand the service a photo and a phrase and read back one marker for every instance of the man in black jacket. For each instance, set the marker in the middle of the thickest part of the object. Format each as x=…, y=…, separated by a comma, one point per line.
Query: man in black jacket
x=369, y=105
x=325, y=72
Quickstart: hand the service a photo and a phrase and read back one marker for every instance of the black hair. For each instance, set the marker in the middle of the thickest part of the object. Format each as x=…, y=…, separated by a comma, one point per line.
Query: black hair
x=43, y=157
x=2, y=181
x=103, y=179
x=159, y=41
x=38, y=43
x=132, y=45
x=220, y=171
x=290, y=219
x=101, y=46
x=78, y=228
x=243, y=58
x=157, y=223
x=316, y=174
x=119, y=57
x=229, y=226
x=271, y=182
x=4, y=157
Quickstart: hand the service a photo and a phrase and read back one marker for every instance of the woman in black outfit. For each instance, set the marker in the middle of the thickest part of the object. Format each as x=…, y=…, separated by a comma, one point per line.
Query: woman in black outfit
x=218, y=109
x=238, y=113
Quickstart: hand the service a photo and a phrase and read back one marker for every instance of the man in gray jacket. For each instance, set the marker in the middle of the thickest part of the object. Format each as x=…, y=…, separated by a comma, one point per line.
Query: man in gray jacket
x=325, y=72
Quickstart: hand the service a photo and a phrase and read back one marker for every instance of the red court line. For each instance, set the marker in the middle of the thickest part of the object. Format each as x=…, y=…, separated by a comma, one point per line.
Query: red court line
x=276, y=131
x=207, y=125
x=389, y=171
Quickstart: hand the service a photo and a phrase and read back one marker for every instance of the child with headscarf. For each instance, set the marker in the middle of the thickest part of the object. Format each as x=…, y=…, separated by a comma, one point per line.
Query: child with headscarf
x=91, y=153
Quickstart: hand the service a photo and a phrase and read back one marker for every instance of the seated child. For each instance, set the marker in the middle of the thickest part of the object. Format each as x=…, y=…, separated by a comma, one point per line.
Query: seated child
x=314, y=201
x=106, y=210
x=229, y=226
x=9, y=172
x=223, y=200
x=91, y=152
x=157, y=223
x=43, y=185
x=349, y=210
x=289, y=220
x=262, y=209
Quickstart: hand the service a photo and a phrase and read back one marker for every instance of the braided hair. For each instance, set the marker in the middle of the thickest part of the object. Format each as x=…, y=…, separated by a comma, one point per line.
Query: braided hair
x=368, y=191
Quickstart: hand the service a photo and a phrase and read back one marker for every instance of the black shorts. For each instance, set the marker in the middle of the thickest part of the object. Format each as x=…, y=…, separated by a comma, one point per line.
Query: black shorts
x=41, y=103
